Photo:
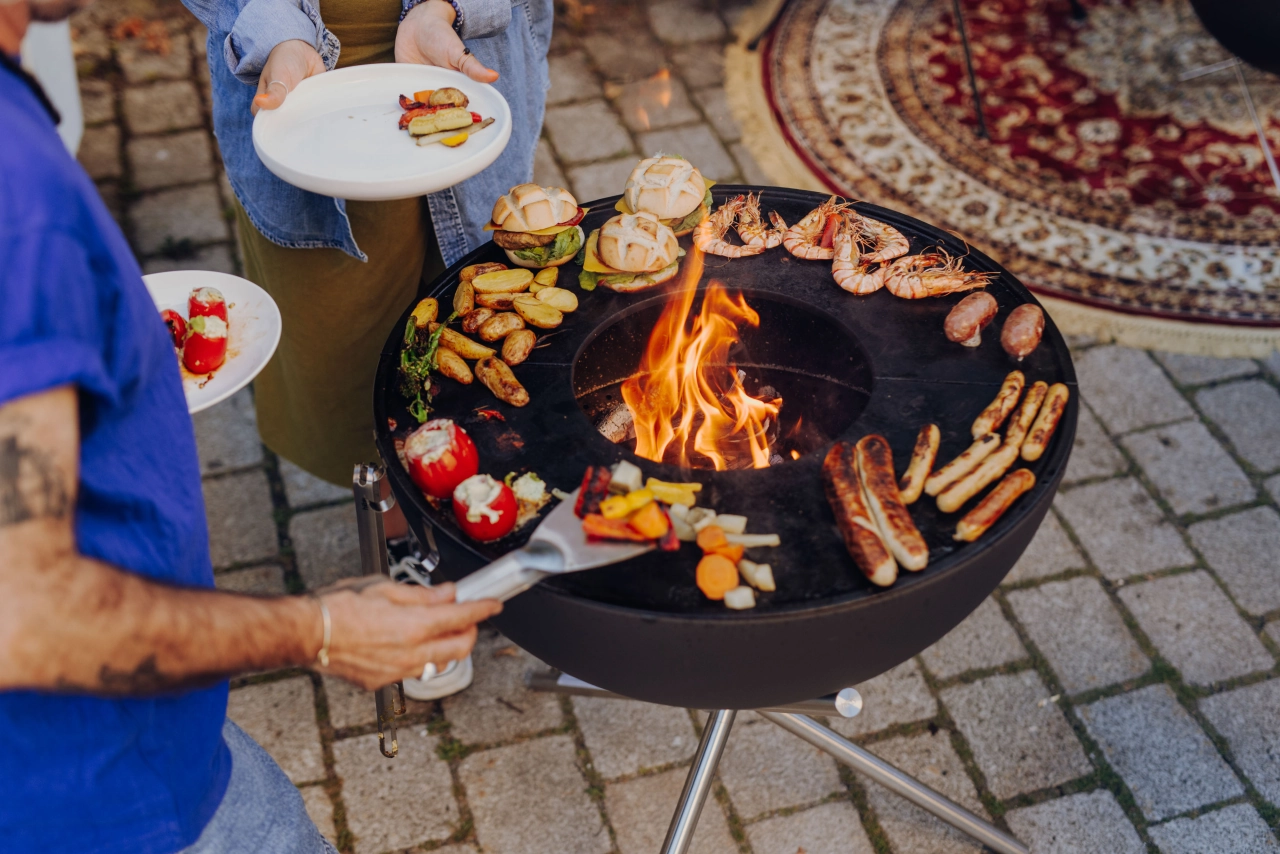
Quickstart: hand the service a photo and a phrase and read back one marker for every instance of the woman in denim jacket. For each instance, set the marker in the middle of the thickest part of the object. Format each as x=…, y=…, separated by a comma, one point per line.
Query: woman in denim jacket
x=343, y=271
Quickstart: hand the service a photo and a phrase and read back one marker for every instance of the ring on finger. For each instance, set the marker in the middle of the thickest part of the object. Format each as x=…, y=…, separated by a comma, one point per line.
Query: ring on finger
x=282, y=83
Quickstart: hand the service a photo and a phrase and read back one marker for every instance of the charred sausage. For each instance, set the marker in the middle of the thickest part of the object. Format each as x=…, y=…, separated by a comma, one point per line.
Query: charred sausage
x=1022, y=331
x=880, y=486
x=955, y=496
x=1046, y=422
x=961, y=465
x=922, y=457
x=976, y=522
x=861, y=537
x=998, y=410
x=1021, y=423
x=966, y=321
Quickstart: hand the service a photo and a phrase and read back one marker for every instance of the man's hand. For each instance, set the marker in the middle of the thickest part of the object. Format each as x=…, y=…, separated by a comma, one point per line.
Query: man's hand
x=426, y=37
x=289, y=63
x=383, y=632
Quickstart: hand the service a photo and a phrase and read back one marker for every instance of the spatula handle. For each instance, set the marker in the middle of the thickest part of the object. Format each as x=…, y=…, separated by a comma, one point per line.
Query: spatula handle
x=511, y=574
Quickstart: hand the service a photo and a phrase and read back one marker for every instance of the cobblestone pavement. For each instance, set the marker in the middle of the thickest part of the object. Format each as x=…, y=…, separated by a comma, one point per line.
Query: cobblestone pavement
x=1118, y=694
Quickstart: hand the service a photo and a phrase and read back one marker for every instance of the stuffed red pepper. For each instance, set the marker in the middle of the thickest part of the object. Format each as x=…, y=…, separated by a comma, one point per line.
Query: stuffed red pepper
x=486, y=509
x=177, y=326
x=440, y=455
x=206, y=302
x=206, y=346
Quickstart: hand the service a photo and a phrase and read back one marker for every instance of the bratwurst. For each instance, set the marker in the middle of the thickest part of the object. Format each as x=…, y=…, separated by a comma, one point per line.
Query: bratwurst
x=861, y=537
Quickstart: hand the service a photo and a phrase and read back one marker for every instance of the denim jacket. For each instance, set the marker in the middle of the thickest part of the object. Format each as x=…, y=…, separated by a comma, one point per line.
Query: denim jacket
x=509, y=36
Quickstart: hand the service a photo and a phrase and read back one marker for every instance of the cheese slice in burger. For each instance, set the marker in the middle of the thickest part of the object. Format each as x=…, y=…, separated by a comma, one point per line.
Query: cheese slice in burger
x=630, y=252
x=537, y=226
x=670, y=188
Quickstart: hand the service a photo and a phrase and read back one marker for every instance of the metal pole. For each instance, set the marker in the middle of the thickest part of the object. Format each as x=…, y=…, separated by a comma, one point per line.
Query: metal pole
x=973, y=78
x=698, y=784
x=1257, y=125
x=896, y=781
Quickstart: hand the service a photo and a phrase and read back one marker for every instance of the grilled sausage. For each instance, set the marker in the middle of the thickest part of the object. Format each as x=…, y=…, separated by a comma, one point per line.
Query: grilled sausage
x=464, y=299
x=1022, y=331
x=1021, y=423
x=955, y=496
x=474, y=319
x=497, y=302
x=453, y=366
x=998, y=410
x=965, y=322
x=518, y=345
x=961, y=465
x=861, y=537
x=500, y=326
x=976, y=522
x=922, y=457
x=469, y=273
x=880, y=488
x=497, y=377
x=1046, y=422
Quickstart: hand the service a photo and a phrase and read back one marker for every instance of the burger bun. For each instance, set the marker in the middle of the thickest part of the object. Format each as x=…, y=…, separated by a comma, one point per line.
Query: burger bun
x=530, y=207
x=637, y=243
x=668, y=187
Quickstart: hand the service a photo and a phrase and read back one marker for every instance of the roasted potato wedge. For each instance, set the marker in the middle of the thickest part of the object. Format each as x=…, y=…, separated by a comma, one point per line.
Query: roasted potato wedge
x=453, y=366
x=500, y=326
x=462, y=345
x=452, y=118
x=537, y=313
x=498, y=302
x=558, y=298
x=517, y=346
x=497, y=377
x=464, y=298
x=425, y=311
x=469, y=273
x=448, y=95
x=475, y=318
x=547, y=276
x=503, y=281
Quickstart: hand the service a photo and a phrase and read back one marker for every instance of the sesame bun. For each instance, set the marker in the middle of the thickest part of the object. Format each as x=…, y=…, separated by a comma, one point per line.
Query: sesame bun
x=637, y=243
x=529, y=207
x=667, y=187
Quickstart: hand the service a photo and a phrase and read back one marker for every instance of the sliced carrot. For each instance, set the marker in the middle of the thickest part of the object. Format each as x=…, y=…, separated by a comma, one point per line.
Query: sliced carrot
x=717, y=575
x=424, y=96
x=711, y=538
x=732, y=552
x=650, y=521
x=595, y=525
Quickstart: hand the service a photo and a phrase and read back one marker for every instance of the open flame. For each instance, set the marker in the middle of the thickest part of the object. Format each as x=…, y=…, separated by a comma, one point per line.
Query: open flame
x=686, y=396
x=653, y=94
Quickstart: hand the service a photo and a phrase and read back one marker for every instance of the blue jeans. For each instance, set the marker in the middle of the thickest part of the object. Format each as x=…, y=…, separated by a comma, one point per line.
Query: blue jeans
x=262, y=811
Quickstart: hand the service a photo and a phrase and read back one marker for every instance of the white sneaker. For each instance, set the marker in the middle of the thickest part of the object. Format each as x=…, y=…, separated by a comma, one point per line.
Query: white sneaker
x=456, y=677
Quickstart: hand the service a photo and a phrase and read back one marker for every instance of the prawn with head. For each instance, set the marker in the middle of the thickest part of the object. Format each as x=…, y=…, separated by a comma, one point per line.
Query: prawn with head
x=932, y=274
x=813, y=237
x=751, y=227
x=851, y=270
x=709, y=234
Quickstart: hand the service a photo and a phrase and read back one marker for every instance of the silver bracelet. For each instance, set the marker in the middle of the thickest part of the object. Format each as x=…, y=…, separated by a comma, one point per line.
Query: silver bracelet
x=322, y=657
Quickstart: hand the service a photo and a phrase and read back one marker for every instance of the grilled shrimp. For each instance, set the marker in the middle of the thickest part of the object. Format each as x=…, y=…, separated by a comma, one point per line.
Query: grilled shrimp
x=850, y=271
x=802, y=239
x=933, y=274
x=886, y=242
x=751, y=227
x=709, y=234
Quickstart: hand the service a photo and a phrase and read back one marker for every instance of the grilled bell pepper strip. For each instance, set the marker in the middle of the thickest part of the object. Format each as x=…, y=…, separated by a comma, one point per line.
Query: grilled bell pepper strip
x=595, y=489
x=669, y=542
x=206, y=346
x=595, y=525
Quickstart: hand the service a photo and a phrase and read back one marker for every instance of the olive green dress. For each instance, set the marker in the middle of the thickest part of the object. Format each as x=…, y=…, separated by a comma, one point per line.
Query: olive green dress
x=315, y=397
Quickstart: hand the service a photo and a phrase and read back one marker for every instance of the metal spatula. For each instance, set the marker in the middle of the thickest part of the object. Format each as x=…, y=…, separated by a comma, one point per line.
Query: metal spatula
x=557, y=546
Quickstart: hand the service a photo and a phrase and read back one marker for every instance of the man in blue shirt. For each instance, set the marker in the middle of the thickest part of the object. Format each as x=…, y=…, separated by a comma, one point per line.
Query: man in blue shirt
x=114, y=648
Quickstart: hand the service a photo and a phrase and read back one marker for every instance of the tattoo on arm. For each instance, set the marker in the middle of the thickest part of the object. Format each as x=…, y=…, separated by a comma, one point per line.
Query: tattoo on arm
x=32, y=485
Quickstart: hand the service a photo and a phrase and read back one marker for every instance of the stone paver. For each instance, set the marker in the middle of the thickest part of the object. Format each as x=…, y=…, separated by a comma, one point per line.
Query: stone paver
x=1193, y=472
x=933, y=761
x=1273, y=631
x=241, y=527
x=395, y=803
x=599, y=180
x=216, y=258
x=1249, y=719
x=1092, y=453
x=828, y=829
x=897, y=697
x=623, y=58
x=985, y=639
x=141, y=65
x=1122, y=528
x=326, y=544
x=497, y=706
x=1195, y=370
x=281, y=716
x=259, y=580
x=1244, y=550
x=170, y=217
x=320, y=807
x=1249, y=413
x=697, y=143
x=1272, y=363
x=700, y=66
x=304, y=488
x=1127, y=389
x=625, y=737
x=766, y=768
x=1019, y=743
x=716, y=107
x=640, y=811
x=1273, y=486
x=166, y=161
x=1164, y=758
x=227, y=435
x=1195, y=627
x=99, y=153
x=532, y=791
x=348, y=705
x=1234, y=830
x=1089, y=823
x=571, y=79
x=751, y=171
x=678, y=22
x=97, y=102
x=546, y=171
x=161, y=107
x=1080, y=632
x=659, y=102
x=587, y=131
x=1051, y=552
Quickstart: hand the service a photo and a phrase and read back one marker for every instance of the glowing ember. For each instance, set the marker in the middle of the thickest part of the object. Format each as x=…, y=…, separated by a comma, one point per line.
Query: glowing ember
x=686, y=398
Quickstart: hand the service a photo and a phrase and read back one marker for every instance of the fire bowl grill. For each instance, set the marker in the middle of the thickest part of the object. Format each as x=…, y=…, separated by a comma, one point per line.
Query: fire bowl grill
x=642, y=629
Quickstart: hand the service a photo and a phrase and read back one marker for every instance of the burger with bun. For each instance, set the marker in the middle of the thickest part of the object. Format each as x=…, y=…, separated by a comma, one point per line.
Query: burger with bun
x=670, y=188
x=631, y=252
x=537, y=226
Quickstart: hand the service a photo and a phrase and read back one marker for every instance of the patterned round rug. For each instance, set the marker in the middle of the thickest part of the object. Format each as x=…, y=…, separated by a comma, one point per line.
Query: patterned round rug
x=1106, y=181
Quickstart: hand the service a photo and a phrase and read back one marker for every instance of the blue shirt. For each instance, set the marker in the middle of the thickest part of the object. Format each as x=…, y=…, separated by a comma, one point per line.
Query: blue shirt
x=80, y=773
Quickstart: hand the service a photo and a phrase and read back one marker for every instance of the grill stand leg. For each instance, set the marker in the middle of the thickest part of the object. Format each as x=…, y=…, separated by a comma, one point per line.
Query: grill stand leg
x=698, y=784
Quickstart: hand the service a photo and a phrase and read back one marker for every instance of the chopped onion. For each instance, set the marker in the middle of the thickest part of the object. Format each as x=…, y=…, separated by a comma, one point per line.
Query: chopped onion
x=753, y=541
x=627, y=477
x=740, y=598
x=700, y=517
x=731, y=524
x=758, y=575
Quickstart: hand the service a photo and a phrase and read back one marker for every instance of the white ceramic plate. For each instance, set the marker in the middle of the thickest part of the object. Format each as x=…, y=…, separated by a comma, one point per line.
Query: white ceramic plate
x=337, y=134
x=253, y=330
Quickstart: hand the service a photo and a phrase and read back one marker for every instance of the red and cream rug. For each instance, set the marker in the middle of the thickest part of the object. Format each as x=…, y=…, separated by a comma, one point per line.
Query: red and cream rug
x=1139, y=205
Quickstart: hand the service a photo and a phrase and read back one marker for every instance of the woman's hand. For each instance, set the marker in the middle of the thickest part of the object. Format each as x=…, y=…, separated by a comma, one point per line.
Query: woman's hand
x=383, y=632
x=288, y=64
x=426, y=37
